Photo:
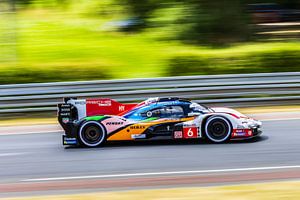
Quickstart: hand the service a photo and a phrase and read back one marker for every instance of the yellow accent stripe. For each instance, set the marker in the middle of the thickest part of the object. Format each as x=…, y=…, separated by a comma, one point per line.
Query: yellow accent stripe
x=139, y=128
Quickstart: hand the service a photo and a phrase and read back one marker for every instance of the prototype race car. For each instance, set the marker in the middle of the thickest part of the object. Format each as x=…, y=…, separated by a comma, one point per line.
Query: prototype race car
x=92, y=122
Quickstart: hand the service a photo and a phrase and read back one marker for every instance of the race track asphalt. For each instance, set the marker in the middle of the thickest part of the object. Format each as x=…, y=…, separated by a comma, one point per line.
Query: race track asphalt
x=24, y=158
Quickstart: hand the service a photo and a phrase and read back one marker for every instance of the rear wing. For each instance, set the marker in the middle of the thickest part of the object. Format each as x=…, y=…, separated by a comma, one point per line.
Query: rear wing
x=75, y=109
x=101, y=106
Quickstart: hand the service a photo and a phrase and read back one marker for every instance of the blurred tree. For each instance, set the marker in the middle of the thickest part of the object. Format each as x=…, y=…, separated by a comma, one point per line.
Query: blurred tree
x=22, y=1
x=203, y=21
x=142, y=9
x=216, y=22
x=41, y=3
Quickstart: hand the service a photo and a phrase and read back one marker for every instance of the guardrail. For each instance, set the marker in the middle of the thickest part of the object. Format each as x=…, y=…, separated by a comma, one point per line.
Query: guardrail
x=230, y=90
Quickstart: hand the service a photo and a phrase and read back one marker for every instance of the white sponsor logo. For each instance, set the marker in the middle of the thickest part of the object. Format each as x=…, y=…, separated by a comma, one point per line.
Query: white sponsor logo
x=121, y=108
x=189, y=125
x=100, y=102
x=80, y=102
x=138, y=136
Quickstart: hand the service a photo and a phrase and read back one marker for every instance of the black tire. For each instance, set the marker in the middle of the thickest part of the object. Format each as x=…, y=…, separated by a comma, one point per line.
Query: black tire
x=92, y=134
x=218, y=129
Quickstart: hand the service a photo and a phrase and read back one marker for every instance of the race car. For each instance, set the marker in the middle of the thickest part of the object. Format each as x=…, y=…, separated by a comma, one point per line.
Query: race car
x=92, y=122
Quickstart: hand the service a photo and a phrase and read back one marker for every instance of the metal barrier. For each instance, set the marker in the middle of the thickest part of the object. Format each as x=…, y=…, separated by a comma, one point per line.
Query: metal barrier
x=230, y=90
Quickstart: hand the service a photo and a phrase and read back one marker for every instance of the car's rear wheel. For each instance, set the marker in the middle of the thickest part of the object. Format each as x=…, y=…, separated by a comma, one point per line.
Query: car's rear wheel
x=92, y=134
x=218, y=129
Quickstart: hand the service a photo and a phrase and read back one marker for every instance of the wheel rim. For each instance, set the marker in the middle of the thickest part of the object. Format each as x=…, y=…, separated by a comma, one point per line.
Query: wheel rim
x=217, y=129
x=92, y=134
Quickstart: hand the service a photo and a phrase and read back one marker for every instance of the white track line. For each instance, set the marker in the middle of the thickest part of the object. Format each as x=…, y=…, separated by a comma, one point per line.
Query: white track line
x=164, y=173
x=11, y=154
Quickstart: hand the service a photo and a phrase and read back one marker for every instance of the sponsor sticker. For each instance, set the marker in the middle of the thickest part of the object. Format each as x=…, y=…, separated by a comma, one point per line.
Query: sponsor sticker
x=249, y=132
x=114, y=123
x=65, y=114
x=100, y=102
x=137, y=127
x=138, y=136
x=189, y=125
x=178, y=134
x=69, y=141
x=80, y=102
x=65, y=105
x=65, y=110
x=65, y=120
x=121, y=108
x=242, y=132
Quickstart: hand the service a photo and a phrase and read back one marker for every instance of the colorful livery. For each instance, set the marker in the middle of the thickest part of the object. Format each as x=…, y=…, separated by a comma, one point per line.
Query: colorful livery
x=92, y=122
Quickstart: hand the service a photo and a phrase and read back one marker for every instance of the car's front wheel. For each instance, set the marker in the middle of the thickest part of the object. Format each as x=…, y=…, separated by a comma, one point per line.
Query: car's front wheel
x=218, y=129
x=92, y=134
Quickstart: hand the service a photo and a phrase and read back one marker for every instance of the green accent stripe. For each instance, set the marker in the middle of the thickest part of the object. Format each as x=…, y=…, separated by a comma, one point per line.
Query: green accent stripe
x=94, y=118
x=149, y=119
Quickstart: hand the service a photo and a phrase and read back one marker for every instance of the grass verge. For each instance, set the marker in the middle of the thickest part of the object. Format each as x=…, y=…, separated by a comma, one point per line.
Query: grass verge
x=262, y=191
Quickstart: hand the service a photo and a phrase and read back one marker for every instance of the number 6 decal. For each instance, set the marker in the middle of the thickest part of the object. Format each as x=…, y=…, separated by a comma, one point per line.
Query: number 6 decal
x=190, y=132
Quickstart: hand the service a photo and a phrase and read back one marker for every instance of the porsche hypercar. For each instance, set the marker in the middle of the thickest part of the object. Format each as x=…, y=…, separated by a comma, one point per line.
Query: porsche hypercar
x=92, y=122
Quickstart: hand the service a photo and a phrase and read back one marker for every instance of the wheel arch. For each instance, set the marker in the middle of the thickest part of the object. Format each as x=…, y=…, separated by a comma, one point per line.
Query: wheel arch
x=221, y=115
x=84, y=123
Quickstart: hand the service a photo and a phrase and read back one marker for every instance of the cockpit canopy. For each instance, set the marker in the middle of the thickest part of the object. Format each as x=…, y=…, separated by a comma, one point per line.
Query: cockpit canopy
x=166, y=108
x=171, y=111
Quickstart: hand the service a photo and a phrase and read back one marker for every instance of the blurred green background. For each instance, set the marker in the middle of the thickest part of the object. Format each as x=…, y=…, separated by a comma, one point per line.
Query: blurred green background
x=66, y=40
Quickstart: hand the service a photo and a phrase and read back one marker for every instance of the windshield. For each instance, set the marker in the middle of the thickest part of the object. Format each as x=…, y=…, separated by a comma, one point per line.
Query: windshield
x=197, y=108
